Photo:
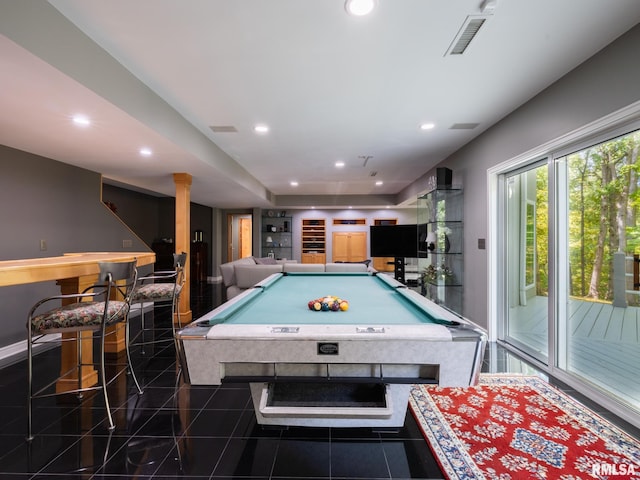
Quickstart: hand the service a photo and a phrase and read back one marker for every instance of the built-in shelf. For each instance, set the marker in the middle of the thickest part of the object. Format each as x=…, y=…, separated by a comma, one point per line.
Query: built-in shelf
x=314, y=240
x=276, y=237
x=349, y=221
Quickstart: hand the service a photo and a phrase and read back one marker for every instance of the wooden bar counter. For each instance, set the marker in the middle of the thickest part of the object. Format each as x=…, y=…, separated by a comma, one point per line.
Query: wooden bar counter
x=73, y=272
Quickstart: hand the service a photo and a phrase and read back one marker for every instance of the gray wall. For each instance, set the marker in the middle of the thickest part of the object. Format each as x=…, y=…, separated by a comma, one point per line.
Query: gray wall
x=152, y=217
x=602, y=85
x=402, y=215
x=139, y=211
x=42, y=199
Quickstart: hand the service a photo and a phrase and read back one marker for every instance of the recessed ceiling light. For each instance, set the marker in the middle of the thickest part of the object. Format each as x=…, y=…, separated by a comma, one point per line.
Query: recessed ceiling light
x=293, y=183
x=261, y=129
x=81, y=120
x=145, y=152
x=379, y=182
x=359, y=8
x=427, y=126
x=339, y=164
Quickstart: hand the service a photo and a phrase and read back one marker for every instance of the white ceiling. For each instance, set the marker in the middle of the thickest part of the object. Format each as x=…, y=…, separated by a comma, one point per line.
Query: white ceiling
x=330, y=86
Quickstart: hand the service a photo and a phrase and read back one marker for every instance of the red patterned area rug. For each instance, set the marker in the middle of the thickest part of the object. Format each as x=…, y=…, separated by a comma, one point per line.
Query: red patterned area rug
x=520, y=427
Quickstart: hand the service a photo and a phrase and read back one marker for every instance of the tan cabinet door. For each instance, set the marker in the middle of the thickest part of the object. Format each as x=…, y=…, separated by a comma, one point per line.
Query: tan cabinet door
x=349, y=246
x=383, y=264
x=313, y=258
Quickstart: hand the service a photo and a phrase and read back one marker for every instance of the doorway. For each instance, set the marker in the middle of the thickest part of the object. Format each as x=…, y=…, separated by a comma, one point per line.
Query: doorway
x=239, y=236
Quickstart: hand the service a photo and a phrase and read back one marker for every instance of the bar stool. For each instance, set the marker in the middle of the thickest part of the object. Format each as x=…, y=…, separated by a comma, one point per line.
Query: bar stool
x=162, y=288
x=98, y=307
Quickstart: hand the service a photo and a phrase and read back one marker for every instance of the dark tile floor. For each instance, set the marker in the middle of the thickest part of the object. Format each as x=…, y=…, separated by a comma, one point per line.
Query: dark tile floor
x=194, y=432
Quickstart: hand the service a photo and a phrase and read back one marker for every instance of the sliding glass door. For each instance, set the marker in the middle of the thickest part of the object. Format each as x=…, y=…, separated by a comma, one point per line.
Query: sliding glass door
x=570, y=257
x=599, y=324
x=526, y=285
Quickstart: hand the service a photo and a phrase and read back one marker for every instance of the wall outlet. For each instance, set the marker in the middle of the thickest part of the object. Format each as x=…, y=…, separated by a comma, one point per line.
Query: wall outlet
x=127, y=243
x=43, y=245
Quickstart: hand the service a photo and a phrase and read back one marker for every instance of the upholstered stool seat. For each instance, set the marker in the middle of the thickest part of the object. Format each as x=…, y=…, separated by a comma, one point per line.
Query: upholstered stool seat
x=151, y=292
x=80, y=314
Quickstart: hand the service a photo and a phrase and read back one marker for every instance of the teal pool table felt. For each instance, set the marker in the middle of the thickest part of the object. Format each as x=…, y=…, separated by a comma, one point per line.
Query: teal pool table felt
x=283, y=300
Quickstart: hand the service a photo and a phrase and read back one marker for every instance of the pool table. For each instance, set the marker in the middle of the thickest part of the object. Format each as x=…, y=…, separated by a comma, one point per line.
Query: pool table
x=348, y=368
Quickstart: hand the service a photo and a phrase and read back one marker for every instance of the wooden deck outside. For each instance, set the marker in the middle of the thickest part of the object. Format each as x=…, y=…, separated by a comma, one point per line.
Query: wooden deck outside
x=603, y=342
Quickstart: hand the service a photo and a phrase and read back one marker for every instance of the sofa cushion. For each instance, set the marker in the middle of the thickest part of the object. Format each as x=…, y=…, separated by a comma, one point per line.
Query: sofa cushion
x=248, y=275
x=345, y=267
x=228, y=272
x=265, y=260
x=303, y=267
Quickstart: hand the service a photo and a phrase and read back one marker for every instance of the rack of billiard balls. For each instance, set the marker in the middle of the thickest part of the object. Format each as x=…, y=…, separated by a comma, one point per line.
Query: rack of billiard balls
x=329, y=304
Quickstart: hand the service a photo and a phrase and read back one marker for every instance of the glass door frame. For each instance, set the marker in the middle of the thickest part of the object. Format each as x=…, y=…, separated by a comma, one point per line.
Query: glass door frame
x=502, y=219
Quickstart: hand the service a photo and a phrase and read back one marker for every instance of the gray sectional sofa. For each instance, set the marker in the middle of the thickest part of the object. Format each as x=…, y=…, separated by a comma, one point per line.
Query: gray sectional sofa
x=244, y=273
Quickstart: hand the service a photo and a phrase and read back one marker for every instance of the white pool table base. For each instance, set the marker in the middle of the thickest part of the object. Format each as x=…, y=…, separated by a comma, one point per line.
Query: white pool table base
x=392, y=414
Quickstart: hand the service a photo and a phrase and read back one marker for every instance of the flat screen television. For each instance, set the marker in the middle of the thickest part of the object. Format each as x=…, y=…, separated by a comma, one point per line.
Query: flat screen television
x=393, y=241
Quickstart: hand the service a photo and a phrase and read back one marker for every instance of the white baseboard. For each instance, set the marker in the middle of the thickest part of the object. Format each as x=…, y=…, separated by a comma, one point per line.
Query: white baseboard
x=16, y=352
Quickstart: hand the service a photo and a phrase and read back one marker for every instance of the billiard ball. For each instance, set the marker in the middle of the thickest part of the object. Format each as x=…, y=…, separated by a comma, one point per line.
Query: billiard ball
x=344, y=306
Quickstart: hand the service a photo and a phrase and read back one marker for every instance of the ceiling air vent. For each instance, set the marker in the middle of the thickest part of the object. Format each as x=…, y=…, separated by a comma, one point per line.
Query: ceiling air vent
x=466, y=34
x=463, y=126
x=223, y=129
